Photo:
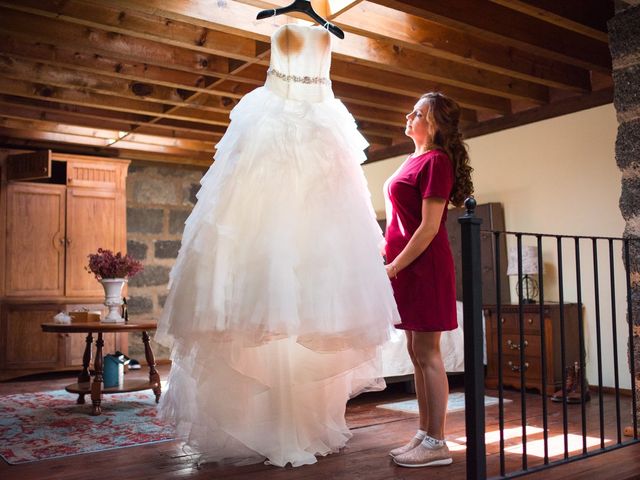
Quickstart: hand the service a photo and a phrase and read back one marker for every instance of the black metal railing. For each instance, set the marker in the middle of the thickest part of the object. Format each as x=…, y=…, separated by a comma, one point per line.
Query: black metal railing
x=567, y=328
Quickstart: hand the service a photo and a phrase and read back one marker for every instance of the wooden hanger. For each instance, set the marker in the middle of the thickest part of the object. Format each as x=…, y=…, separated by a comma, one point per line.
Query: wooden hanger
x=302, y=6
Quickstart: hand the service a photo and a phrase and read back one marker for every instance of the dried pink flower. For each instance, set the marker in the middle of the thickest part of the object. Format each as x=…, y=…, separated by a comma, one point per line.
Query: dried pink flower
x=105, y=264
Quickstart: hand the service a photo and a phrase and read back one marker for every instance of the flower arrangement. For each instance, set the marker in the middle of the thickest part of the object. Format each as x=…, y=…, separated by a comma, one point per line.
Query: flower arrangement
x=105, y=264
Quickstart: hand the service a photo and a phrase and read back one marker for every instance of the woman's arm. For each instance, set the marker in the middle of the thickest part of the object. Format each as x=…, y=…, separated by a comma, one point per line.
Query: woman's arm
x=432, y=210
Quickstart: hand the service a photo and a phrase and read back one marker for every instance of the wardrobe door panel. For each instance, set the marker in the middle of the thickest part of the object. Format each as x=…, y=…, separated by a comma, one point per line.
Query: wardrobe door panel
x=35, y=240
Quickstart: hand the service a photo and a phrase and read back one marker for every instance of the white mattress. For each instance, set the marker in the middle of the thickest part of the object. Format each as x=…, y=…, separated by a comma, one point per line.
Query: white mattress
x=395, y=359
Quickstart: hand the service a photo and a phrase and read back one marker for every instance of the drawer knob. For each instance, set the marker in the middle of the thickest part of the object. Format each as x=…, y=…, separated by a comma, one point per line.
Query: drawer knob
x=516, y=368
x=502, y=320
x=516, y=346
x=530, y=320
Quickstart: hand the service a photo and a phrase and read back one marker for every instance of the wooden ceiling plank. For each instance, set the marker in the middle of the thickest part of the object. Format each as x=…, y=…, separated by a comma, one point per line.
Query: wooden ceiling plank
x=93, y=62
x=49, y=110
x=78, y=97
x=126, y=47
x=52, y=132
x=109, y=136
x=377, y=140
x=339, y=7
x=369, y=77
x=497, y=23
x=20, y=69
x=409, y=31
x=384, y=55
x=18, y=112
x=587, y=17
x=486, y=101
x=8, y=138
x=240, y=18
x=140, y=25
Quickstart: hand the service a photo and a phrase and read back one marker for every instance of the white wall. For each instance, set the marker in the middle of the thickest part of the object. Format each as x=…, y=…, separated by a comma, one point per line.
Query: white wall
x=557, y=176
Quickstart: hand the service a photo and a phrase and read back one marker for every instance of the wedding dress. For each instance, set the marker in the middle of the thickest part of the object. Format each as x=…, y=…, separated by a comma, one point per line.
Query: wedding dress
x=278, y=300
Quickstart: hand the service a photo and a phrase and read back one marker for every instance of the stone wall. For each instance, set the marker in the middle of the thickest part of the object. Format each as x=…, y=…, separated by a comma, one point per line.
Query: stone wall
x=624, y=42
x=159, y=199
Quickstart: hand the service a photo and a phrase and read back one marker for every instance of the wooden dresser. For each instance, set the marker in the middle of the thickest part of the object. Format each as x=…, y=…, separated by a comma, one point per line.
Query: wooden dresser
x=533, y=340
x=55, y=209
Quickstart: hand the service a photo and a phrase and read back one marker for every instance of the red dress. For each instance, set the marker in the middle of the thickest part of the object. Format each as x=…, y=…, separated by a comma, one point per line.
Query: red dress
x=425, y=290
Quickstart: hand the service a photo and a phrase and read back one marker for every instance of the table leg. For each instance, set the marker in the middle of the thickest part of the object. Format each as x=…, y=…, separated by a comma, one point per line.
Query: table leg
x=154, y=376
x=85, y=376
x=96, y=386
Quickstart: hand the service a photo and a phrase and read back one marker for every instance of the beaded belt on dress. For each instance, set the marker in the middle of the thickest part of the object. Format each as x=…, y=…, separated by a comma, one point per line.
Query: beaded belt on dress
x=297, y=78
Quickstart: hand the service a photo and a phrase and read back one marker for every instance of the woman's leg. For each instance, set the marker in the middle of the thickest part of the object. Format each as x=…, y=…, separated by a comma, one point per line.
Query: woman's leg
x=421, y=394
x=418, y=380
x=426, y=348
x=433, y=450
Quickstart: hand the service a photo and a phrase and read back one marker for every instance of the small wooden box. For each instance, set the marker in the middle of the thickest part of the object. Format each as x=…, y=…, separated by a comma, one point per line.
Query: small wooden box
x=84, y=317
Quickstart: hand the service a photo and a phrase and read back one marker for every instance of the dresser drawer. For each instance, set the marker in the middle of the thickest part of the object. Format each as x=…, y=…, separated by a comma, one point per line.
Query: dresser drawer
x=511, y=369
x=511, y=344
x=511, y=323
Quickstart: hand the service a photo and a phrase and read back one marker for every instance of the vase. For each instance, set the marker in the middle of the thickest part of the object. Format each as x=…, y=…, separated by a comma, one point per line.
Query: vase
x=113, y=298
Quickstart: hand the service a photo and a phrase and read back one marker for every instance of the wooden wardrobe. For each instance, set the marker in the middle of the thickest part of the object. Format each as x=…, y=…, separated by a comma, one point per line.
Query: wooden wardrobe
x=55, y=209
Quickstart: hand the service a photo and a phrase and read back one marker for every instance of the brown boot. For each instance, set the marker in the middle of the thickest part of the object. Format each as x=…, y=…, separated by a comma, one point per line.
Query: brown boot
x=579, y=391
x=570, y=374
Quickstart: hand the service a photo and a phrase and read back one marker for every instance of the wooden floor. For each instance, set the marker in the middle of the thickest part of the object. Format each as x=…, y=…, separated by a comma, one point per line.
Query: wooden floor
x=375, y=431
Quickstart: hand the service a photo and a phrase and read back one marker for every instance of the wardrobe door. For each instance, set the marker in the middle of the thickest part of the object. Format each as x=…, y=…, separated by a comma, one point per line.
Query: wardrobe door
x=94, y=220
x=35, y=240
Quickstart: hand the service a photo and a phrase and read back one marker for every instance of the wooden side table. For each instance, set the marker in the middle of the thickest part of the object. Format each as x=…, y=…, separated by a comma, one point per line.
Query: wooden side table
x=88, y=385
x=532, y=345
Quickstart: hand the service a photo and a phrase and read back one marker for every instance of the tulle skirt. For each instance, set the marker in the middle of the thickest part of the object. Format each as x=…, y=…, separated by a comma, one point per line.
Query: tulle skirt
x=278, y=300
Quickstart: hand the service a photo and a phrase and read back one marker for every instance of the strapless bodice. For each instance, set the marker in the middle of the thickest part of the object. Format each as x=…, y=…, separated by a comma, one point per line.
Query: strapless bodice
x=300, y=63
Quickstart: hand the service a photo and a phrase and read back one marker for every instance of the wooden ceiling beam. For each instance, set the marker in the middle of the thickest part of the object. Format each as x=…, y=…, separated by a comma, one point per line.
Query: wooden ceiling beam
x=251, y=77
x=409, y=31
x=356, y=74
x=48, y=30
x=87, y=60
x=23, y=113
x=587, y=17
x=496, y=23
x=372, y=21
x=20, y=69
x=73, y=96
x=383, y=55
x=51, y=110
x=110, y=137
x=8, y=139
x=54, y=136
x=97, y=61
x=147, y=27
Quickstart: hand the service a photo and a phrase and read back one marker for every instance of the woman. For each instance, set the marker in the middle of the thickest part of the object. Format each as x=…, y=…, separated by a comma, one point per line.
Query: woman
x=420, y=263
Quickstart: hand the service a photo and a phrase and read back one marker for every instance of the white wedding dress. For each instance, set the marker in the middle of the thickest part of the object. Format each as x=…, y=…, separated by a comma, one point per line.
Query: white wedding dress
x=278, y=300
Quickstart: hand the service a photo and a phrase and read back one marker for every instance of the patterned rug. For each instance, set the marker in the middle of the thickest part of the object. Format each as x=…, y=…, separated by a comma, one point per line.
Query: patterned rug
x=39, y=426
x=455, y=403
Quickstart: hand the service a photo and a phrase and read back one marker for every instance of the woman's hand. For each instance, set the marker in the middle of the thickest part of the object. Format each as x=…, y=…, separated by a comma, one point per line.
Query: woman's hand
x=392, y=270
x=383, y=248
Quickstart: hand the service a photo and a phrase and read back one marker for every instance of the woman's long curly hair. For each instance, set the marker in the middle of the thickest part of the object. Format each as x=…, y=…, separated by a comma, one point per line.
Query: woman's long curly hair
x=444, y=115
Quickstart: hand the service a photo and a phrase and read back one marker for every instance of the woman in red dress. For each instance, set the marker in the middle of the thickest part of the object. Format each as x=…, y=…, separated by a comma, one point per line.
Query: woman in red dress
x=420, y=263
